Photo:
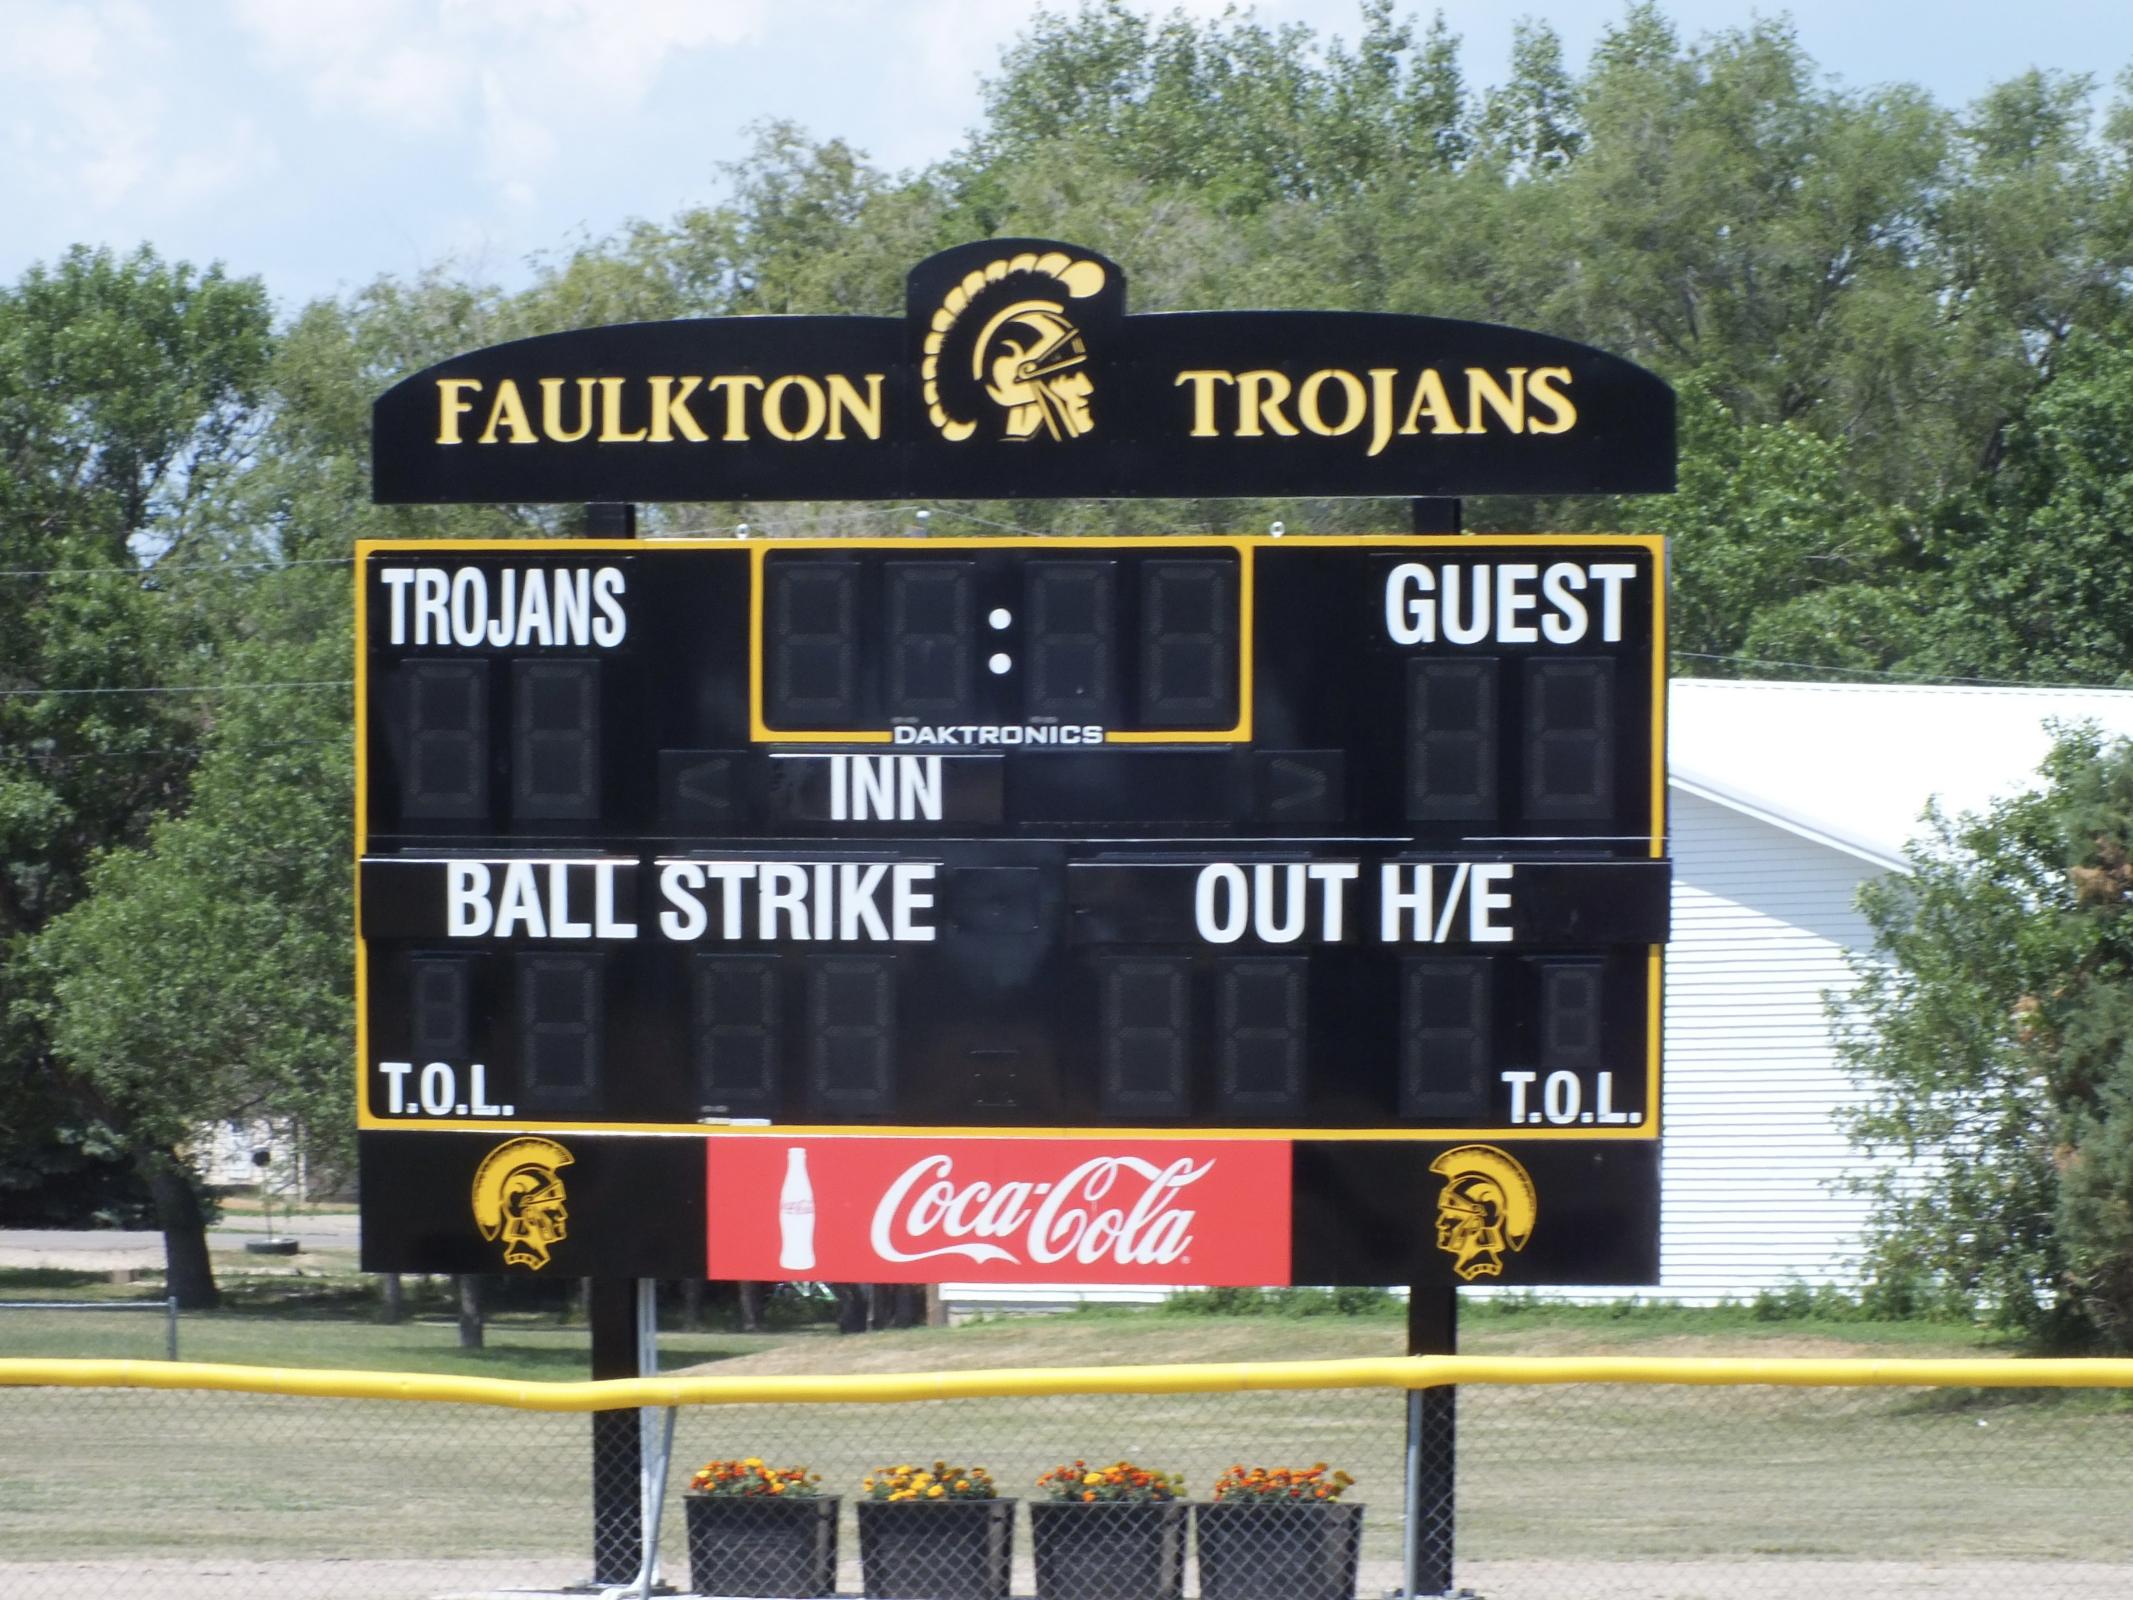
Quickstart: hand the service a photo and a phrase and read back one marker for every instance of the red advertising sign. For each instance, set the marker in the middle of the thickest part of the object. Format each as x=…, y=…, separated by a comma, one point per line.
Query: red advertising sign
x=855, y=1209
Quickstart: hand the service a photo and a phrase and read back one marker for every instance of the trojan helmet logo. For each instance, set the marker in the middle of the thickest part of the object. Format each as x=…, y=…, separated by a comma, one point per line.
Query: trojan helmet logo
x=1486, y=1208
x=518, y=1198
x=1004, y=339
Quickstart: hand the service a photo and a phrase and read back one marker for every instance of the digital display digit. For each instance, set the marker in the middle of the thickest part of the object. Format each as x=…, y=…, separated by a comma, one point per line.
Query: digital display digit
x=734, y=1016
x=555, y=740
x=1445, y=1035
x=1147, y=1035
x=444, y=773
x=1261, y=1003
x=851, y=1016
x=1451, y=738
x=440, y=988
x=1570, y=1014
x=929, y=634
x=812, y=674
x=1188, y=633
x=1570, y=739
x=1071, y=638
x=561, y=1023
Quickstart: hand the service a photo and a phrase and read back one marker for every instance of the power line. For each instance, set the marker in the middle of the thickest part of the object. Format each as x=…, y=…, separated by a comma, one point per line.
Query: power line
x=31, y=758
x=189, y=688
x=276, y=564
x=1924, y=678
x=162, y=567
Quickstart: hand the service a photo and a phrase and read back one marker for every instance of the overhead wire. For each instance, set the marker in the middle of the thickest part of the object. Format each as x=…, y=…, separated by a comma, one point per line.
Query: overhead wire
x=185, y=688
x=72, y=758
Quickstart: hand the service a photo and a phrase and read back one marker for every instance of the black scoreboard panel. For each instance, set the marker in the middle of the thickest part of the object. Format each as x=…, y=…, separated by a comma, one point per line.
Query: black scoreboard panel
x=1250, y=684
x=1338, y=838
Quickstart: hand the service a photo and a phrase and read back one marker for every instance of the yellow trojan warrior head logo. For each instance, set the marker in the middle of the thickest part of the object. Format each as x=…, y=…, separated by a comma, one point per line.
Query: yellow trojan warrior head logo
x=1002, y=338
x=518, y=1198
x=1486, y=1208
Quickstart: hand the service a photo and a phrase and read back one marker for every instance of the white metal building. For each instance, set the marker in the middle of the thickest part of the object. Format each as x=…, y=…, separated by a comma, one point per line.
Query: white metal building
x=1785, y=799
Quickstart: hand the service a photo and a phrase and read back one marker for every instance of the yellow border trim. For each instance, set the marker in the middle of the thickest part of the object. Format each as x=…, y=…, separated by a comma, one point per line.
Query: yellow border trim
x=1410, y=1372
x=1500, y=1133
x=362, y=833
x=1246, y=544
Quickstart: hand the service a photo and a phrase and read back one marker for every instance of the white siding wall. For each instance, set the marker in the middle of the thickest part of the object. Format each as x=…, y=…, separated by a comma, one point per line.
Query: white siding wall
x=1762, y=920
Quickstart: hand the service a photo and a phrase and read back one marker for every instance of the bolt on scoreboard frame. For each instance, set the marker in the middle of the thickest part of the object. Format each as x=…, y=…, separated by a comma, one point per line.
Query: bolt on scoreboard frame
x=1171, y=910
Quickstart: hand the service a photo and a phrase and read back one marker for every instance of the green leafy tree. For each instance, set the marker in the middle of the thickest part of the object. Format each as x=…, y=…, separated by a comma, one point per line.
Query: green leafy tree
x=129, y=398
x=2036, y=567
x=1992, y=1033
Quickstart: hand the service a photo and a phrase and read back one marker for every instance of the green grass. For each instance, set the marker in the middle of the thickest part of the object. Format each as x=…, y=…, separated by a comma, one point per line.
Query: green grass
x=331, y=1319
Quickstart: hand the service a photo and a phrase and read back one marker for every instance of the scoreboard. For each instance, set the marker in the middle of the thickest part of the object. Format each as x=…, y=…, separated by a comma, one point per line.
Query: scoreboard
x=911, y=908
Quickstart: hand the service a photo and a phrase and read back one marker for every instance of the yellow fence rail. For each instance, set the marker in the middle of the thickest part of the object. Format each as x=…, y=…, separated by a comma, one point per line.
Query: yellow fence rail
x=1417, y=1372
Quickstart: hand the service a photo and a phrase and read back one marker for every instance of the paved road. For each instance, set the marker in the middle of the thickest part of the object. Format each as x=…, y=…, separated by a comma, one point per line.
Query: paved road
x=117, y=1249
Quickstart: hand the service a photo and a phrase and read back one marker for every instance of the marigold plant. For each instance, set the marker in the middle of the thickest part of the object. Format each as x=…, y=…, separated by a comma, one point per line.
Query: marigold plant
x=749, y=1478
x=1120, y=1481
x=937, y=1482
x=1281, y=1483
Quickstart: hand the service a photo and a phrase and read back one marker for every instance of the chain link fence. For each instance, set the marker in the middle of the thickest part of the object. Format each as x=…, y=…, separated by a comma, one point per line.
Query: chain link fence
x=1684, y=1490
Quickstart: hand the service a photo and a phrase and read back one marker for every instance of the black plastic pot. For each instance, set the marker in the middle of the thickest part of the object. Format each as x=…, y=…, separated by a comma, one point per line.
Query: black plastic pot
x=936, y=1549
x=1109, y=1550
x=774, y=1547
x=1278, y=1550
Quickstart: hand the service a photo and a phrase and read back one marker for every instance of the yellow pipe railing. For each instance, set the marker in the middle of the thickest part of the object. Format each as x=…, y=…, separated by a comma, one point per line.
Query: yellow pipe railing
x=1411, y=1372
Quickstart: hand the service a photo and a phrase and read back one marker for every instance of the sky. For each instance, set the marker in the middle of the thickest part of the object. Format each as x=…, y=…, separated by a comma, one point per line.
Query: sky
x=323, y=143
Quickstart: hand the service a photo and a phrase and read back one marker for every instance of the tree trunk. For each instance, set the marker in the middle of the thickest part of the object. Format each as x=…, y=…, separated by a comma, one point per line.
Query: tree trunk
x=851, y=1307
x=692, y=1304
x=394, y=1294
x=752, y=1296
x=190, y=1276
x=470, y=1323
x=896, y=1305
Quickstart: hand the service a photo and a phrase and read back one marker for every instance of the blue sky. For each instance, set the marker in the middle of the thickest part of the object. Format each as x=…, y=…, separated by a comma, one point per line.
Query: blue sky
x=320, y=143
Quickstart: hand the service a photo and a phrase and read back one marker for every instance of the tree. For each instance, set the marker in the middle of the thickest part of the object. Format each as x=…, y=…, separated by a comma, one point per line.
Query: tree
x=129, y=396
x=206, y=975
x=2035, y=565
x=1992, y=1033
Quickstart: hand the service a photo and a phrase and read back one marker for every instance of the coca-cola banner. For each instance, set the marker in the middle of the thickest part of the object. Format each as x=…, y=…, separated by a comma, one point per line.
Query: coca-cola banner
x=928, y=1210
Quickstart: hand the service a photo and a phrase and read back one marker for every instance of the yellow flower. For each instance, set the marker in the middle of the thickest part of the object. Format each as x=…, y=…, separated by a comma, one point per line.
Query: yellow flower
x=935, y=1492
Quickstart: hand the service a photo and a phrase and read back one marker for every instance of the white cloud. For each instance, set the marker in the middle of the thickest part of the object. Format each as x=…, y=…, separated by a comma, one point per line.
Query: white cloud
x=90, y=125
x=517, y=77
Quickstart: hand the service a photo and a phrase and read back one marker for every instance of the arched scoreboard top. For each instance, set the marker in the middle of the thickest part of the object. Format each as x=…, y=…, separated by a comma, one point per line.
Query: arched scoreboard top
x=1016, y=373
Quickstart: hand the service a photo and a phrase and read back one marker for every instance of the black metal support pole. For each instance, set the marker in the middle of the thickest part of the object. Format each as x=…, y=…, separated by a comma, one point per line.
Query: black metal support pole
x=610, y=520
x=617, y=1458
x=1432, y=1330
x=1437, y=516
x=611, y=1311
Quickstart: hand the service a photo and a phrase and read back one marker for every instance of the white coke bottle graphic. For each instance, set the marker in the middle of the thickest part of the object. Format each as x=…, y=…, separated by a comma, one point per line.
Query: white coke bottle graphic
x=796, y=1215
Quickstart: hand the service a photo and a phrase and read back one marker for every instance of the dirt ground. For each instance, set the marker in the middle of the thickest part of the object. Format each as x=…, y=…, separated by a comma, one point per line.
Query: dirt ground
x=1772, y=1579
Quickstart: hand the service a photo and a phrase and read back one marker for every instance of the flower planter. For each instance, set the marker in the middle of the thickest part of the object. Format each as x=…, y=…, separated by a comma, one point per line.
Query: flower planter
x=768, y=1546
x=1109, y=1550
x=936, y=1549
x=1278, y=1550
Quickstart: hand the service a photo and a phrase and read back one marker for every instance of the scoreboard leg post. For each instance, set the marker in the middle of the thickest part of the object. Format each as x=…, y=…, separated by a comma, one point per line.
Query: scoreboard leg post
x=1432, y=1330
x=617, y=1456
x=1436, y=516
x=612, y=1312
x=610, y=519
